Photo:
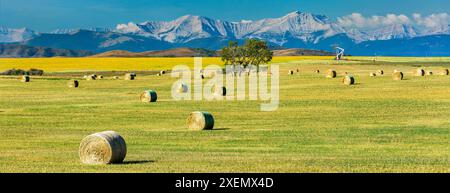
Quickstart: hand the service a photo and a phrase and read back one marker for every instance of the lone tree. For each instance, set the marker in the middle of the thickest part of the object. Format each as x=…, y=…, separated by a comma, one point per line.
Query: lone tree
x=253, y=52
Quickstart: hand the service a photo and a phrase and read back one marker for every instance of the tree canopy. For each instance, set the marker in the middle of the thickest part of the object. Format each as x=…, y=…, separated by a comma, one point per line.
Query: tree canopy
x=253, y=52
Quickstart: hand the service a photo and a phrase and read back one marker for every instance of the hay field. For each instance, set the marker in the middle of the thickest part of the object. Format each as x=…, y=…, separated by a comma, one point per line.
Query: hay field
x=376, y=125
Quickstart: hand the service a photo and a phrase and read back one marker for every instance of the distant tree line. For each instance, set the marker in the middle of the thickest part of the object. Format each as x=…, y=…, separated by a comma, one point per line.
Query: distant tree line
x=33, y=72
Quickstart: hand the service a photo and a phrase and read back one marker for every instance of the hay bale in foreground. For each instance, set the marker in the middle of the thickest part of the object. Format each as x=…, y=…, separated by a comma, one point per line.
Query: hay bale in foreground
x=331, y=74
x=130, y=76
x=397, y=75
x=348, y=80
x=200, y=121
x=162, y=72
x=372, y=74
x=100, y=77
x=25, y=78
x=102, y=148
x=183, y=88
x=149, y=96
x=420, y=72
x=73, y=84
x=380, y=72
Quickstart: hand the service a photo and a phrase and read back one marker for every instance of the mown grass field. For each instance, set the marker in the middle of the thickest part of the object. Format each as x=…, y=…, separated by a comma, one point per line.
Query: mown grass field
x=377, y=125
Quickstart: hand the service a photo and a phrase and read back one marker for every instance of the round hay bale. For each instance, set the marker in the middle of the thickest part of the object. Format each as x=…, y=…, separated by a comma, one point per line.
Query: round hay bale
x=317, y=71
x=100, y=77
x=183, y=88
x=291, y=72
x=149, y=96
x=372, y=74
x=397, y=75
x=91, y=77
x=200, y=121
x=85, y=77
x=444, y=72
x=162, y=72
x=130, y=76
x=380, y=72
x=221, y=91
x=25, y=78
x=103, y=148
x=73, y=84
x=158, y=74
x=331, y=74
x=420, y=72
x=116, y=78
x=429, y=73
x=348, y=80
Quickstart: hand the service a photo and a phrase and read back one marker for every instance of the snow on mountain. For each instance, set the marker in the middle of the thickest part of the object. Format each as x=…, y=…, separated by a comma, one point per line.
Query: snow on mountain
x=394, y=31
x=188, y=28
x=8, y=35
x=307, y=27
x=71, y=31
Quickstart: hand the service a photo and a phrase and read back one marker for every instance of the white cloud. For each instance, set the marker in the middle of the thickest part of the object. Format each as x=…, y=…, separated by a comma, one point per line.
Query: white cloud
x=433, y=20
x=128, y=28
x=357, y=20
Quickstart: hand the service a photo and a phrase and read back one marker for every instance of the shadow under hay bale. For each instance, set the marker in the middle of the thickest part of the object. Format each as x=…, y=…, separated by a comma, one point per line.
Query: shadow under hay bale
x=25, y=78
x=73, y=84
x=348, y=80
x=149, y=96
x=103, y=148
x=331, y=74
x=200, y=121
x=397, y=75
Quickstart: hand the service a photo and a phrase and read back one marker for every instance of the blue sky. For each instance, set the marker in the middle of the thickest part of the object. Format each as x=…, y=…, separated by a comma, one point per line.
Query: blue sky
x=46, y=15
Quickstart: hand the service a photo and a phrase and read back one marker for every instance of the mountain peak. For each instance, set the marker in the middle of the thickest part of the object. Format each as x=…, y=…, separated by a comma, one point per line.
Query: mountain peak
x=295, y=13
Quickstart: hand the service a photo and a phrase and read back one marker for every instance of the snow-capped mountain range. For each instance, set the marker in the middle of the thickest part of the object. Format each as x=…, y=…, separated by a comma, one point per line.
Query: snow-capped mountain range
x=296, y=29
x=303, y=26
x=8, y=35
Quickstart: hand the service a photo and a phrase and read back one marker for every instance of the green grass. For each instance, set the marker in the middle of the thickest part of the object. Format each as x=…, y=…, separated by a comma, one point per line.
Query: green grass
x=377, y=125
